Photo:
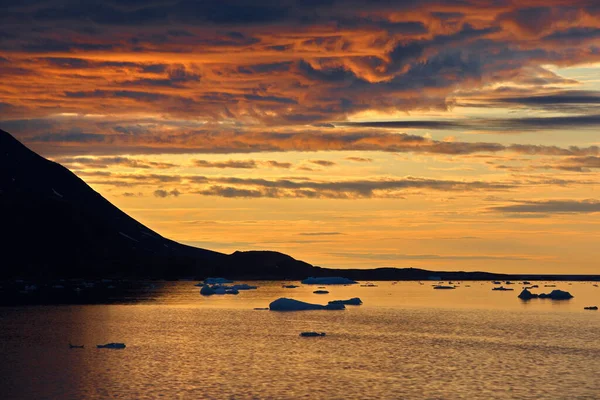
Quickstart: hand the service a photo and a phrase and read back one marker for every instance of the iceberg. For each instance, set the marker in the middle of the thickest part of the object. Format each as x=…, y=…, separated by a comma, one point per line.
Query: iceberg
x=321, y=292
x=554, y=295
x=207, y=290
x=285, y=304
x=243, y=286
x=355, y=301
x=557, y=295
x=312, y=334
x=111, y=346
x=331, y=280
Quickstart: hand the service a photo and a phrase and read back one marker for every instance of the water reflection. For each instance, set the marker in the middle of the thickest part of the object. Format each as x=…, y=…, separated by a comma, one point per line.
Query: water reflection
x=407, y=340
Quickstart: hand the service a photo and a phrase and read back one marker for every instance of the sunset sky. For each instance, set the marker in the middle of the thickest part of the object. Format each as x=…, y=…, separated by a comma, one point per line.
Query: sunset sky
x=448, y=135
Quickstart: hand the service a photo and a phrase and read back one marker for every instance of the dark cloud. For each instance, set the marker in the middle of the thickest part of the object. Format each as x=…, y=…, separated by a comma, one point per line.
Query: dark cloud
x=347, y=189
x=323, y=163
x=242, y=164
x=105, y=162
x=506, y=124
x=360, y=159
x=277, y=164
x=165, y=193
x=551, y=207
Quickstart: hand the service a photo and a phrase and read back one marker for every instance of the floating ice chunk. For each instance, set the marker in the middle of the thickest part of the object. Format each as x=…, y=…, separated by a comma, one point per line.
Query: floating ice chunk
x=312, y=334
x=290, y=286
x=557, y=295
x=244, y=286
x=502, y=288
x=355, y=301
x=207, y=290
x=331, y=280
x=285, y=304
x=111, y=346
x=261, y=308
x=443, y=287
x=554, y=295
x=527, y=295
x=591, y=308
x=321, y=292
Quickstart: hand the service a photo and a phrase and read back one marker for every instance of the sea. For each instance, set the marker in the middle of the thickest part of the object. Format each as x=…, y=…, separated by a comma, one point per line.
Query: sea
x=406, y=341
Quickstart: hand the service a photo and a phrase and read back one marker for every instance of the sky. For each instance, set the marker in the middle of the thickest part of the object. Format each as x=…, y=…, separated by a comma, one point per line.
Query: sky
x=446, y=135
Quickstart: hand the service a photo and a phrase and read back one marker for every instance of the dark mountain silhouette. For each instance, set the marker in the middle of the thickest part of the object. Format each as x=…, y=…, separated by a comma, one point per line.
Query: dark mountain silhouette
x=53, y=225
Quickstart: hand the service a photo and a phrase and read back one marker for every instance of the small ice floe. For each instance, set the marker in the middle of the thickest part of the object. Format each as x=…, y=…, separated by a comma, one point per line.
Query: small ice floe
x=502, y=288
x=368, y=284
x=312, y=334
x=111, y=346
x=321, y=292
x=290, y=286
x=208, y=290
x=355, y=301
x=444, y=287
x=331, y=280
x=526, y=283
x=554, y=295
x=285, y=304
x=508, y=283
x=217, y=281
x=497, y=283
x=244, y=286
x=549, y=285
x=261, y=308
x=531, y=287
x=75, y=346
x=591, y=308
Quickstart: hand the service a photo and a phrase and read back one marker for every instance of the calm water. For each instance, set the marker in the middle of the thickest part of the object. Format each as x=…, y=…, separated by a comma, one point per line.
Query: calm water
x=406, y=341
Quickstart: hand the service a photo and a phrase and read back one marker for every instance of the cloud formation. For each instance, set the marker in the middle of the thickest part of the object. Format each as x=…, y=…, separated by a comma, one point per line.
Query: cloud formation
x=551, y=206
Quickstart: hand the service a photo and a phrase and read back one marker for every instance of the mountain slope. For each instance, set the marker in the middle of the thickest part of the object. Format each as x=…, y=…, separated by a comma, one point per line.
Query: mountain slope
x=54, y=224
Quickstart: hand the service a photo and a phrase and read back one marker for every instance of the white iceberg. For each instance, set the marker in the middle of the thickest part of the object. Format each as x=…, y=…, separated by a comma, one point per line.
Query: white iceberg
x=285, y=304
x=443, y=287
x=111, y=346
x=208, y=290
x=243, y=286
x=330, y=280
x=554, y=295
x=355, y=301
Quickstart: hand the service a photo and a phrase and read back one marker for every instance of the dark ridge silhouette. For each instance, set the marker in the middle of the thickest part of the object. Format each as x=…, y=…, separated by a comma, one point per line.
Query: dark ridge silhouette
x=53, y=225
